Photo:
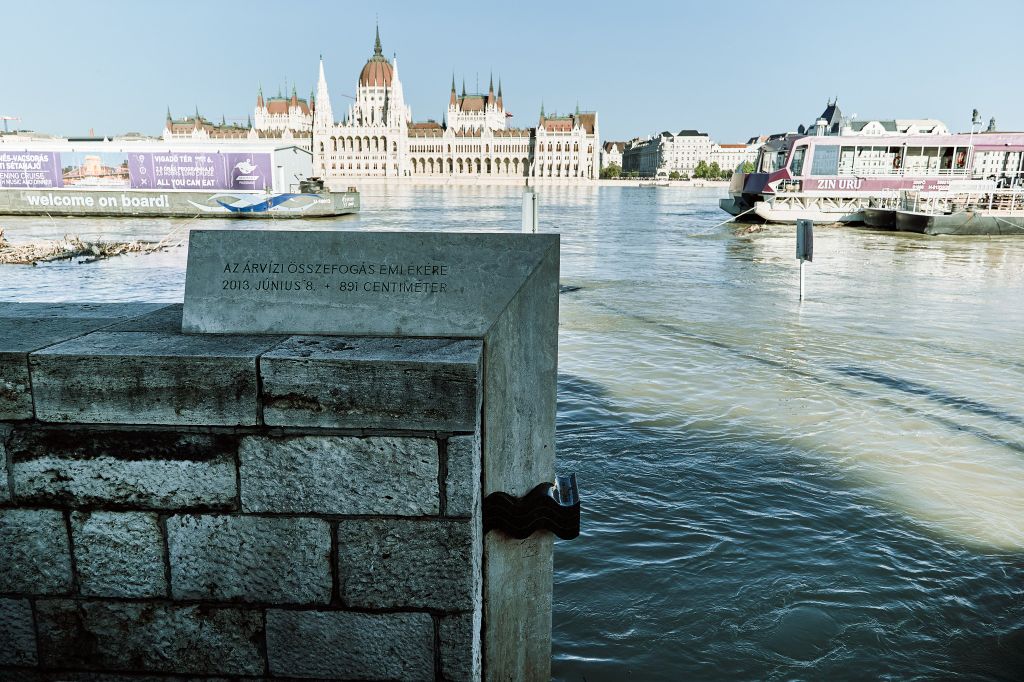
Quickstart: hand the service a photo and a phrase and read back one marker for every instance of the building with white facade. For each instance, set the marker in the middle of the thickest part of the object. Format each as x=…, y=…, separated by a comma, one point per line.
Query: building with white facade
x=611, y=154
x=281, y=114
x=664, y=154
x=732, y=156
x=377, y=137
x=833, y=122
x=284, y=120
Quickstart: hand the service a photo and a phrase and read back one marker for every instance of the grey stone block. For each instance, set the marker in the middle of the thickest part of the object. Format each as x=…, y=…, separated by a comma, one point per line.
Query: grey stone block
x=342, y=646
x=151, y=470
x=339, y=475
x=398, y=563
x=460, y=647
x=149, y=378
x=118, y=554
x=462, y=484
x=373, y=383
x=17, y=634
x=20, y=336
x=35, y=556
x=149, y=637
x=277, y=560
x=5, y=476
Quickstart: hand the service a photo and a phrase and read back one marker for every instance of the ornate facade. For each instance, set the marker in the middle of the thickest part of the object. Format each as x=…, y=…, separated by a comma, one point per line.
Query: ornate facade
x=377, y=137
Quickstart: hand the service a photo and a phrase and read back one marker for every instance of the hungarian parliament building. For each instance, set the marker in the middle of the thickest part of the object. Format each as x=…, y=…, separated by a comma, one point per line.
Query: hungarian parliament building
x=377, y=137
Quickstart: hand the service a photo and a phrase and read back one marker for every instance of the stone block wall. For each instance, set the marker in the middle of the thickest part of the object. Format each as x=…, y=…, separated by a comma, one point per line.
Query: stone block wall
x=224, y=507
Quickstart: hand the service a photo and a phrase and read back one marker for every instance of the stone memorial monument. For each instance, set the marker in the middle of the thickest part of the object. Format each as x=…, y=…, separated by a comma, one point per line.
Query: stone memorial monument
x=334, y=461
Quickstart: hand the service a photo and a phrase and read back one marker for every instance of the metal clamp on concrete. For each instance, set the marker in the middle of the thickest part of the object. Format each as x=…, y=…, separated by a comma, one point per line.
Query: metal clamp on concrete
x=553, y=507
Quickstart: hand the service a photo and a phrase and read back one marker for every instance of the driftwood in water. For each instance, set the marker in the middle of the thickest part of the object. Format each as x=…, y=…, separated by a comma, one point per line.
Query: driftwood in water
x=69, y=247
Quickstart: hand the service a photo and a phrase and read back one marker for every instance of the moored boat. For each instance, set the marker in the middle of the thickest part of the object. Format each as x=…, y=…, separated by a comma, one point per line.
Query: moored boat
x=158, y=179
x=854, y=179
x=997, y=212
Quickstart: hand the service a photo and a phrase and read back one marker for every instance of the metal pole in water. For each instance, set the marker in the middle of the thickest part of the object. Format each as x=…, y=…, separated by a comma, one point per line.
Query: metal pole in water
x=529, y=211
x=804, y=247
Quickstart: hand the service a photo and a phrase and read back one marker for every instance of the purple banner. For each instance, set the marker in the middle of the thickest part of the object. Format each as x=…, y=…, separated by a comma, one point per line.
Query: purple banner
x=199, y=170
x=30, y=169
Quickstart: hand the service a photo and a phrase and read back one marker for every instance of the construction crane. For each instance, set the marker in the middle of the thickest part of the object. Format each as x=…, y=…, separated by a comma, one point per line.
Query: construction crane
x=6, y=119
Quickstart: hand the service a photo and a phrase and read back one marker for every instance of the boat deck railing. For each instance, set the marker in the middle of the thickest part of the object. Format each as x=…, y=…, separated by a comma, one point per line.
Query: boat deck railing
x=1000, y=200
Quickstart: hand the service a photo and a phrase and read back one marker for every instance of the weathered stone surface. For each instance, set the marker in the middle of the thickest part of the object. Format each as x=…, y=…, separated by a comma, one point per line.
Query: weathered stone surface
x=460, y=647
x=521, y=358
x=150, y=470
x=166, y=319
x=25, y=675
x=27, y=327
x=373, y=383
x=428, y=284
x=149, y=637
x=5, y=480
x=462, y=484
x=149, y=378
x=34, y=552
x=21, y=335
x=17, y=634
x=12, y=310
x=277, y=560
x=339, y=475
x=118, y=554
x=398, y=563
x=341, y=646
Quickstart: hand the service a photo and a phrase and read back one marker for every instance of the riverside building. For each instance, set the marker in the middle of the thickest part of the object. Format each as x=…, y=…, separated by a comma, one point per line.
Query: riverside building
x=611, y=154
x=275, y=119
x=377, y=137
x=665, y=153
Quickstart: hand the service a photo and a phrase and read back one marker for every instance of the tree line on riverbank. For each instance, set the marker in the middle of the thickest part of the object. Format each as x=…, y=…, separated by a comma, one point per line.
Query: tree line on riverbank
x=703, y=171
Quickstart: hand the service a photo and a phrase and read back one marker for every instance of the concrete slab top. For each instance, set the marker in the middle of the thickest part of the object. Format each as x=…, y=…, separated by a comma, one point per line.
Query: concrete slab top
x=161, y=344
x=378, y=349
x=25, y=334
x=426, y=284
x=166, y=319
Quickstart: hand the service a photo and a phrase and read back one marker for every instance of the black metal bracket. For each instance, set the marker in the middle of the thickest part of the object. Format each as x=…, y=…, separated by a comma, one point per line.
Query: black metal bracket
x=552, y=507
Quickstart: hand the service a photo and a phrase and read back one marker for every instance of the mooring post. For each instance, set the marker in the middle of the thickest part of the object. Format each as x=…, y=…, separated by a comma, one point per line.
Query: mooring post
x=804, y=247
x=529, y=211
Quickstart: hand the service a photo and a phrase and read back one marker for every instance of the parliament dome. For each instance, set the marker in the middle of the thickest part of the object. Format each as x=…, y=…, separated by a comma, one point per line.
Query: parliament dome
x=378, y=70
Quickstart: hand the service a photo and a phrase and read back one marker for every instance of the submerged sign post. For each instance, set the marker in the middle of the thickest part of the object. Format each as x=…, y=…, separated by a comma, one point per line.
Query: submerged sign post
x=804, y=247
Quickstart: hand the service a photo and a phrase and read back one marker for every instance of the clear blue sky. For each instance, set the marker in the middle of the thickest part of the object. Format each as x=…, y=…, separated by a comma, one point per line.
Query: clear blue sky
x=732, y=68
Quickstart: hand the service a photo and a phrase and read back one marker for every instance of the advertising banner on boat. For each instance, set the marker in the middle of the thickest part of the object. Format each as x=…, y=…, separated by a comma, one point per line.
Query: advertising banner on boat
x=101, y=170
x=30, y=169
x=137, y=170
x=199, y=170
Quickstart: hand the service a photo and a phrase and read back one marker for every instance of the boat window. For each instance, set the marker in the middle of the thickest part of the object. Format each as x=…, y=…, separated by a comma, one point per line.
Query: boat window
x=796, y=166
x=916, y=162
x=946, y=158
x=825, y=159
x=894, y=158
x=846, y=157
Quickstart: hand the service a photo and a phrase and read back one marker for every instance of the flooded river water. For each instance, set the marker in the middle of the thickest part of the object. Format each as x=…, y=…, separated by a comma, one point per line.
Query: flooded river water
x=772, y=490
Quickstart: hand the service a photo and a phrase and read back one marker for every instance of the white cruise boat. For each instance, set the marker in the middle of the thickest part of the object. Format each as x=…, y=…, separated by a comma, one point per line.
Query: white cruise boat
x=860, y=179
